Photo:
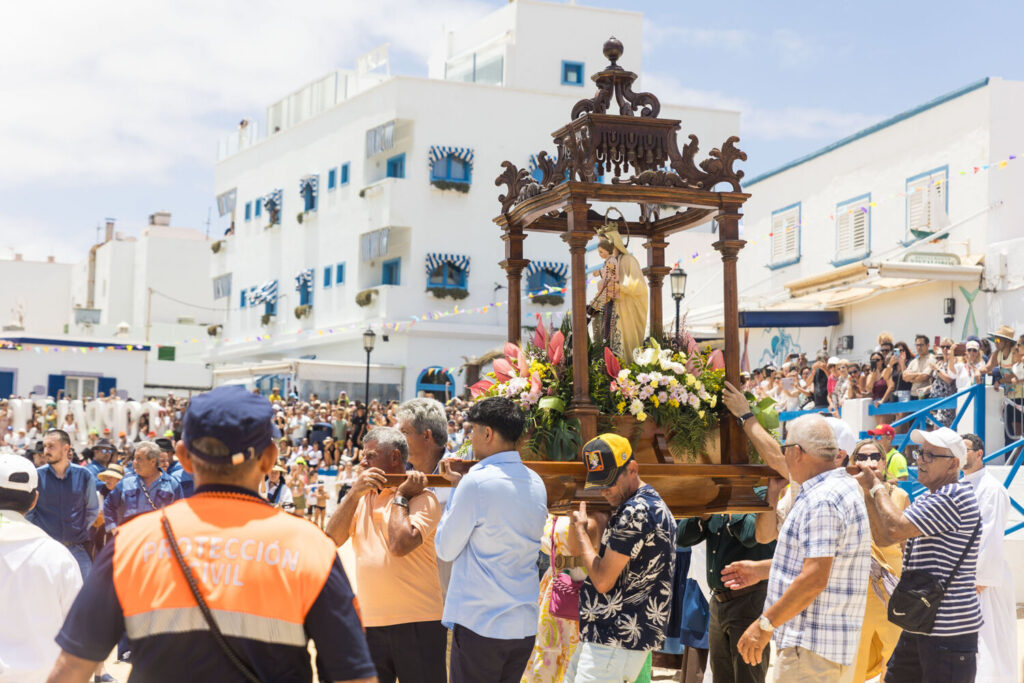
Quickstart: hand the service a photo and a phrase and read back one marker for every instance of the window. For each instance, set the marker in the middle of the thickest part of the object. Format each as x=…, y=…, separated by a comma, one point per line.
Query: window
x=380, y=139
x=391, y=272
x=572, y=73
x=270, y=308
x=339, y=274
x=243, y=295
x=308, y=190
x=447, y=276
x=327, y=277
x=450, y=168
x=543, y=281
x=487, y=67
x=332, y=179
x=248, y=210
x=79, y=387
x=306, y=295
x=396, y=166
x=344, y=174
x=785, y=236
x=258, y=208
x=927, y=202
x=853, y=230
x=165, y=353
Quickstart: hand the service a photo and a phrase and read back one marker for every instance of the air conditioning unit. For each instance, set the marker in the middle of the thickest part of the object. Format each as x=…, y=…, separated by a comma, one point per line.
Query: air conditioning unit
x=845, y=343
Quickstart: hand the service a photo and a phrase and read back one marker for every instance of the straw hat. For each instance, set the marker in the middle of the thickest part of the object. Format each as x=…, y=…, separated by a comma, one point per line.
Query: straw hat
x=1005, y=332
x=113, y=471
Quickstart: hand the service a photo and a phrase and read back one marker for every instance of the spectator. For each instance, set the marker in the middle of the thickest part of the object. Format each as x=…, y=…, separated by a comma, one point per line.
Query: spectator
x=972, y=367
x=625, y=600
x=997, y=638
x=840, y=388
x=895, y=462
x=39, y=578
x=820, y=381
x=731, y=538
x=878, y=635
x=144, y=490
x=943, y=373
x=941, y=527
x=392, y=531
x=278, y=493
x=918, y=371
x=878, y=381
x=1003, y=360
x=491, y=531
x=67, y=504
x=816, y=597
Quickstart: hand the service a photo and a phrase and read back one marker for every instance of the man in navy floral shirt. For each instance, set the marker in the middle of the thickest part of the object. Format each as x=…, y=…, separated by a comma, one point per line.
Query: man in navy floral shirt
x=626, y=598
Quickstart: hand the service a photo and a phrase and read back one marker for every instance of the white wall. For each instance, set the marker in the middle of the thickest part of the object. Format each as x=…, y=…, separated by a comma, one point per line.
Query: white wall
x=32, y=369
x=41, y=289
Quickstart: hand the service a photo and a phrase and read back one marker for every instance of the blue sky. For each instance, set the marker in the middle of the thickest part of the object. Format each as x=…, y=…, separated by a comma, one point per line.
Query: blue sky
x=115, y=109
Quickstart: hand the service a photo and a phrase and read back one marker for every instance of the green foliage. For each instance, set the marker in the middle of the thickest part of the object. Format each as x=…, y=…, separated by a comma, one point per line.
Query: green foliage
x=449, y=293
x=451, y=185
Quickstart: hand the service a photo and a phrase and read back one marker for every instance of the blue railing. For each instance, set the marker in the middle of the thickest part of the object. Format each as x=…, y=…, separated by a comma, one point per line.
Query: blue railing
x=921, y=412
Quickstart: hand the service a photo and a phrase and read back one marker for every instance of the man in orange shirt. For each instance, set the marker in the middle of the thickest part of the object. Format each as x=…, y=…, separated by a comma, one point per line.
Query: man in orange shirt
x=392, y=532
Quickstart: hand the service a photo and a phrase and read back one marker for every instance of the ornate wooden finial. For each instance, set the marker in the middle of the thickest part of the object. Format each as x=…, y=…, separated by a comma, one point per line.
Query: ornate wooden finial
x=616, y=83
x=613, y=50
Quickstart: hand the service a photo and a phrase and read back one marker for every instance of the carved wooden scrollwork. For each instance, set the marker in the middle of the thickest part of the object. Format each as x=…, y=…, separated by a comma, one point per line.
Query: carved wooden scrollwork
x=515, y=181
x=718, y=165
x=616, y=82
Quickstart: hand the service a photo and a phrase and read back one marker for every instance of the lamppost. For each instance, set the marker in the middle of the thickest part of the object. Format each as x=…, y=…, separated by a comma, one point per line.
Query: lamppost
x=369, y=338
x=677, y=279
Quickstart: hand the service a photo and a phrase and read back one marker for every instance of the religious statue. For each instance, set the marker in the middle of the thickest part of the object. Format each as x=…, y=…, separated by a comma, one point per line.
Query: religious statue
x=619, y=309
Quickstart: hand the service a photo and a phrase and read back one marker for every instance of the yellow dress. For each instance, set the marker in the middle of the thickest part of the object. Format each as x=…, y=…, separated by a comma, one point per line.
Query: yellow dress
x=878, y=635
x=556, y=638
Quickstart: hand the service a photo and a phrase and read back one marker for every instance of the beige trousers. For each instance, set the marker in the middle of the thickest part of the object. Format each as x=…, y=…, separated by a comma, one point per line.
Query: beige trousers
x=797, y=664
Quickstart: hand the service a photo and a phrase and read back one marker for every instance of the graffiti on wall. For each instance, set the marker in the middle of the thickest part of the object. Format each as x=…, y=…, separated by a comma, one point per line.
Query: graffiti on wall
x=778, y=343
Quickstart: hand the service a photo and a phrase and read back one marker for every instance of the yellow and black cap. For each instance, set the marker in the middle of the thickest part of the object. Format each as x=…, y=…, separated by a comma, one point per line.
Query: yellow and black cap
x=605, y=456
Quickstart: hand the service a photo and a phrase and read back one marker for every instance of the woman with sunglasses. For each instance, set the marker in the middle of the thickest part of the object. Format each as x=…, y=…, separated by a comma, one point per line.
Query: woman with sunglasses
x=944, y=381
x=878, y=635
x=878, y=381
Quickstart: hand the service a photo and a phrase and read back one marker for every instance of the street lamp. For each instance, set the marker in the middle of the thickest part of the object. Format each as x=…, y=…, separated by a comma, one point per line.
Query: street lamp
x=677, y=279
x=369, y=338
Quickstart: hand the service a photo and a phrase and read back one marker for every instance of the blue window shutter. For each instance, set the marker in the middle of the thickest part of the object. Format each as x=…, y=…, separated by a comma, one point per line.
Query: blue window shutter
x=396, y=166
x=105, y=384
x=327, y=277
x=391, y=272
x=248, y=210
x=572, y=73
x=54, y=383
x=270, y=308
x=6, y=383
x=259, y=208
x=241, y=299
x=332, y=178
x=344, y=173
x=339, y=276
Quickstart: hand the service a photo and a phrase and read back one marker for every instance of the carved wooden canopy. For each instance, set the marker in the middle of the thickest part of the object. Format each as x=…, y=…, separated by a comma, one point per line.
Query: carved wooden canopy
x=639, y=150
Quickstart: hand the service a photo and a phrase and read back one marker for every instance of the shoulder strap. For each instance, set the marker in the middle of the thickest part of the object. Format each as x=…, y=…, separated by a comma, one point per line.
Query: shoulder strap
x=554, y=523
x=956, y=568
x=242, y=667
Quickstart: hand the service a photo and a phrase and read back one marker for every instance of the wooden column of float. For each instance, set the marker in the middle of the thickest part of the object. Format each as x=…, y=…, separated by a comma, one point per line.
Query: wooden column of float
x=648, y=169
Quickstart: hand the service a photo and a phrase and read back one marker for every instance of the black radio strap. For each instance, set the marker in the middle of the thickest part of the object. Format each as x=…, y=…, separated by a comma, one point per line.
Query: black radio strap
x=193, y=586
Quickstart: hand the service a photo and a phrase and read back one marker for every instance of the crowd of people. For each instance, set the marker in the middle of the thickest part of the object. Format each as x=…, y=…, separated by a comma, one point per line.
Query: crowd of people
x=935, y=367
x=473, y=580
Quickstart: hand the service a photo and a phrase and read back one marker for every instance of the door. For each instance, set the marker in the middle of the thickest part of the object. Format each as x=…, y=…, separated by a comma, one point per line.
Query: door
x=6, y=383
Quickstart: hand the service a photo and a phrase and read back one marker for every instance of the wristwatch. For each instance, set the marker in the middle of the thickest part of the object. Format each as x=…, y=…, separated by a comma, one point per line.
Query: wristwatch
x=744, y=417
x=401, y=501
x=764, y=624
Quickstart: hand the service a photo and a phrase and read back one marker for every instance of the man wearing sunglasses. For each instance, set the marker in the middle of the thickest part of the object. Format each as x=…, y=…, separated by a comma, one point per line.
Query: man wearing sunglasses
x=942, y=523
x=895, y=462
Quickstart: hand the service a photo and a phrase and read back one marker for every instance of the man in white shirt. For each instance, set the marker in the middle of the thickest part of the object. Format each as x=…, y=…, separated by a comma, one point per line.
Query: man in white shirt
x=919, y=371
x=997, y=639
x=39, y=578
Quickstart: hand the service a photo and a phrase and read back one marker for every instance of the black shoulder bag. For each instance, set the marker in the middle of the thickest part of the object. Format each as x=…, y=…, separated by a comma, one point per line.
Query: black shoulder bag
x=915, y=601
x=190, y=579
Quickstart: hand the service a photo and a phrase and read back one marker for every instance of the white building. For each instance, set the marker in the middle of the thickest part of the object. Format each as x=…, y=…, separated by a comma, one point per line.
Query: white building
x=881, y=231
x=370, y=203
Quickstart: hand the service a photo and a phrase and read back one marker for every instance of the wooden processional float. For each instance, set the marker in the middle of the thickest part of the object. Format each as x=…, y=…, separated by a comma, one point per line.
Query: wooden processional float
x=647, y=168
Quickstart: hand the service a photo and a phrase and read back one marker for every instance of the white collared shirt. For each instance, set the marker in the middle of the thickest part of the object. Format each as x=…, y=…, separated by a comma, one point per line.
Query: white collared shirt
x=39, y=580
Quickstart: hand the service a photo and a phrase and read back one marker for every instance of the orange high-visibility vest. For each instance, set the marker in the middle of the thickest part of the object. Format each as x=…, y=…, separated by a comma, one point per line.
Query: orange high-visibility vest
x=260, y=569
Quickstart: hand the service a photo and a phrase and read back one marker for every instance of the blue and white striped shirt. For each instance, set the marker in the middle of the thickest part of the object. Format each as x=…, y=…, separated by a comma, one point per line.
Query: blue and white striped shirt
x=946, y=519
x=828, y=519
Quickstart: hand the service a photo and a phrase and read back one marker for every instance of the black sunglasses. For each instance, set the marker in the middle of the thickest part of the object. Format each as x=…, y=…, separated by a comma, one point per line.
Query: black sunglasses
x=864, y=457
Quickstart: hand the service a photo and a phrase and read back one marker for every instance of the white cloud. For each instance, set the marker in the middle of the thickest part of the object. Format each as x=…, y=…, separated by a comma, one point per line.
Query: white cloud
x=109, y=91
x=657, y=35
x=763, y=123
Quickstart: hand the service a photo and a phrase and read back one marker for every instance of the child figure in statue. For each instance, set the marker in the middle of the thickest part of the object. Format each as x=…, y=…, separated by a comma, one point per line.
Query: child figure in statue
x=619, y=309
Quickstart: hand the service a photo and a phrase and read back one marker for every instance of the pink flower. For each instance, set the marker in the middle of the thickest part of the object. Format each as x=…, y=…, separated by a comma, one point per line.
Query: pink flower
x=503, y=370
x=480, y=388
x=556, y=353
x=717, y=360
x=540, y=335
x=611, y=363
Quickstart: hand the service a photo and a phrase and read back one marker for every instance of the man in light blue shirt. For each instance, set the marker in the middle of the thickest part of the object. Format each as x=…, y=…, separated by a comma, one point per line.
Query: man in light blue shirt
x=491, y=531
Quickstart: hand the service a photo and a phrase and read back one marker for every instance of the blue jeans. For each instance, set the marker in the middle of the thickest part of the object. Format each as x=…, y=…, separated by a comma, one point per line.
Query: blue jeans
x=81, y=556
x=935, y=659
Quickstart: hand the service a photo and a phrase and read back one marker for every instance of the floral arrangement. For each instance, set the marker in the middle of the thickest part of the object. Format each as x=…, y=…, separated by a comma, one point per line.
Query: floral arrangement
x=680, y=391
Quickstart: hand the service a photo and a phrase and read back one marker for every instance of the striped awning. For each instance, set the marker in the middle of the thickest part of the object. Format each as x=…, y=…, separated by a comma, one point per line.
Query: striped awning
x=264, y=294
x=440, y=152
x=434, y=261
x=272, y=200
x=555, y=267
x=308, y=182
x=304, y=280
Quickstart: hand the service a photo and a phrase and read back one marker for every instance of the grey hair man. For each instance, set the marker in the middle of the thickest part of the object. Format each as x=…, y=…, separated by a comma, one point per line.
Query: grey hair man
x=146, y=490
x=816, y=598
x=392, y=531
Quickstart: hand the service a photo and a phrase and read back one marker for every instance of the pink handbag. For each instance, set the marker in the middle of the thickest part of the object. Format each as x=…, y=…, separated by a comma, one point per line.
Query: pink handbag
x=565, y=593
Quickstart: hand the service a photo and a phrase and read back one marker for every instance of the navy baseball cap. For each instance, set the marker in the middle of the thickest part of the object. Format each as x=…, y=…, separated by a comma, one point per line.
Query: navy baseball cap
x=241, y=421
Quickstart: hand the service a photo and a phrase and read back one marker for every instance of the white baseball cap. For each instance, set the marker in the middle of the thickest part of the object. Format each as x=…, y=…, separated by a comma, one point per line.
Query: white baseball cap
x=943, y=437
x=845, y=438
x=17, y=473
